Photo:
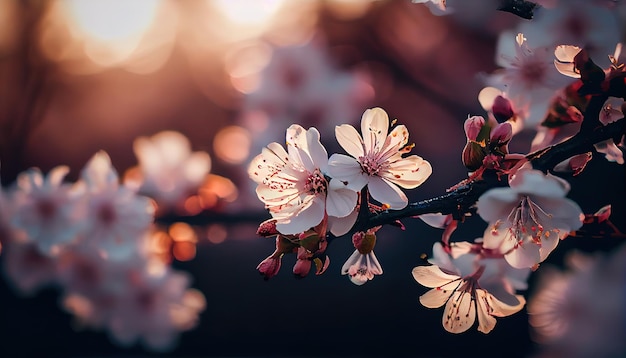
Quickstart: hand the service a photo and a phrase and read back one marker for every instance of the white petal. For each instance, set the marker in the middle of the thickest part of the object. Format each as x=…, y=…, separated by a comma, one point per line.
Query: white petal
x=352, y=260
x=347, y=169
x=486, y=322
x=374, y=128
x=432, y=276
x=304, y=219
x=341, y=226
x=318, y=153
x=565, y=213
x=566, y=69
x=437, y=220
x=534, y=182
x=340, y=201
x=409, y=172
x=57, y=174
x=460, y=312
x=350, y=140
x=437, y=297
x=524, y=256
x=610, y=150
x=502, y=310
x=497, y=204
x=387, y=193
x=276, y=197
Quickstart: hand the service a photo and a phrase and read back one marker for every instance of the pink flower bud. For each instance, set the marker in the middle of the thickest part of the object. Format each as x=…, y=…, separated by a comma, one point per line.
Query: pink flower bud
x=267, y=228
x=270, y=266
x=502, y=109
x=473, y=155
x=472, y=127
x=501, y=134
x=302, y=267
x=364, y=242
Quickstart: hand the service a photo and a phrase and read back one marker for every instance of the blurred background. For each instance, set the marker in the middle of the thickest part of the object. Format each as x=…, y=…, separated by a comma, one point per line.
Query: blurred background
x=79, y=76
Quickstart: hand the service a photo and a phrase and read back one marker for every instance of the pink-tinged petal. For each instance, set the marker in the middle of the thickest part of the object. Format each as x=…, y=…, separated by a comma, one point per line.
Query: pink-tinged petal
x=566, y=53
x=397, y=139
x=350, y=140
x=304, y=219
x=498, y=236
x=534, y=182
x=340, y=201
x=497, y=204
x=564, y=213
x=460, y=312
x=473, y=125
x=437, y=297
x=611, y=152
x=458, y=249
x=437, y=220
x=486, y=97
x=276, y=197
x=318, y=153
x=341, y=226
x=503, y=310
x=548, y=244
x=300, y=159
x=296, y=136
x=409, y=172
x=348, y=170
x=272, y=159
x=387, y=193
x=374, y=128
x=486, y=322
x=354, y=259
x=57, y=174
x=525, y=255
x=373, y=265
x=443, y=260
x=566, y=69
x=98, y=173
x=432, y=276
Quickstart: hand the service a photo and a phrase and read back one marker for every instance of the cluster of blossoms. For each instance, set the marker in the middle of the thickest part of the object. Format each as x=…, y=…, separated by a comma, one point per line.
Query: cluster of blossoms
x=90, y=239
x=524, y=205
x=309, y=194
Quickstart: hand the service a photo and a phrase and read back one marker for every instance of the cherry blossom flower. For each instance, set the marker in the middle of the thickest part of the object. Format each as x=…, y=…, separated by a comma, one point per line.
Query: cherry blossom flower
x=527, y=75
x=564, y=61
x=362, y=265
x=293, y=185
x=580, y=312
x=527, y=220
x=45, y=210
x=473, y=282
x=376, y=159
x=117, y=218
x=611, y=111
x=171, y=171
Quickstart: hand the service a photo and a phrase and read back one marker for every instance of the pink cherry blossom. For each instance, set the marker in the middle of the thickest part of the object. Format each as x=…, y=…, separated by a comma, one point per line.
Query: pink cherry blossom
x=27, y=268
x=362, y=265
x=377, y=159
x=293, y=186
x=473, y=283
x=527, y=220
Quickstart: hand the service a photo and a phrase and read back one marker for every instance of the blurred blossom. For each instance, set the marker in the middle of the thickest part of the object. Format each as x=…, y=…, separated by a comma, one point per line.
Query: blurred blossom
x=45, y=211
x=583, y=23
x=300, y=85
x=581, y=312
x=116, y=216
x=248, y=12
x=232, y=144
x=528, y=75
x=171, y=171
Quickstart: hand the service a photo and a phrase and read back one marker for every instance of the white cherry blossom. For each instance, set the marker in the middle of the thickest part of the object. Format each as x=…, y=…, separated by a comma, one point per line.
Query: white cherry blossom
x=117, y=218
x=361, y=267
x=471, y=284
x=293, y=186
x=377, y=159
x=45, y=210
x=527, y=220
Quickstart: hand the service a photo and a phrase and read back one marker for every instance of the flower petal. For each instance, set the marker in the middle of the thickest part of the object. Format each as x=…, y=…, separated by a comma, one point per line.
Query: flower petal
x=347, y=169
x=303, y=219
x=486, y=322
x=354, y=259
x=350, y=140
x=496, y=204
x=437, y=297
x=486, y=97
x=374, y=128
x=387, y=193
x=524, y=255
x=409, y=172
x=460, y=312
x=340, y=201
x=432, y=276
x=341, y=226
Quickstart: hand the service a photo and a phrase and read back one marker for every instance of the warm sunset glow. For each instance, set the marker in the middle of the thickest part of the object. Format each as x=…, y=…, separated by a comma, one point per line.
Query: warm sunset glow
x=248, y=12
x=232, y=144
x=113, y=20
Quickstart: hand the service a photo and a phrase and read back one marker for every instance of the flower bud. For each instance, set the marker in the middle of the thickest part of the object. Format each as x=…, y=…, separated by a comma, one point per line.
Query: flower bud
x=473, y=155
x=472, y=127
x=502, y=109
x=270, y=266
x=501, y=136
x=267, y=228
x=364, y=242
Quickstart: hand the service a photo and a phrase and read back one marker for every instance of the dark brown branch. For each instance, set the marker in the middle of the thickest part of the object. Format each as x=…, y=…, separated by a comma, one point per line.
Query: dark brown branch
x=521, y=8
